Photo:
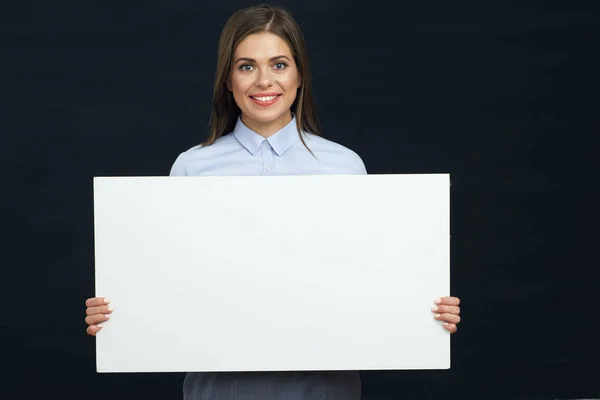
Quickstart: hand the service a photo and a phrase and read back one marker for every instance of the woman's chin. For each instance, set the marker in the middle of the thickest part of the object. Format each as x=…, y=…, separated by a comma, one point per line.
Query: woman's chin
x=267, y=117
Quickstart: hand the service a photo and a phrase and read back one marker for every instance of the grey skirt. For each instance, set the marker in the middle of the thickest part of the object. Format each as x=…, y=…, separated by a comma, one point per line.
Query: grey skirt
x=272, y=386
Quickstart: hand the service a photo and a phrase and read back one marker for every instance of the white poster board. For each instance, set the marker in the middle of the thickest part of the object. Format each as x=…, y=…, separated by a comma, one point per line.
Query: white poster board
x=272, y=273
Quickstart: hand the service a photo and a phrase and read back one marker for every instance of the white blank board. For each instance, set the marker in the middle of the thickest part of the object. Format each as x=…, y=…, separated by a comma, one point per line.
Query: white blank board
x=273, y=273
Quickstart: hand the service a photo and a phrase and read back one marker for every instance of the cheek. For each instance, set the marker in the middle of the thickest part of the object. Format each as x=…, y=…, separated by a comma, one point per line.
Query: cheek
x=290, y=83
x=239, y=86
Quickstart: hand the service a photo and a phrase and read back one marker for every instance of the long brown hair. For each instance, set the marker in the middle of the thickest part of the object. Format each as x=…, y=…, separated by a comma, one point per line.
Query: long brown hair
x=262, y=18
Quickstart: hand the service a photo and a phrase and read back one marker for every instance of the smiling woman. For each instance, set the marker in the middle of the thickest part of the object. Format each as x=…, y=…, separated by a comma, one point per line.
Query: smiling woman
x=262, y=119
x=264, y=87
x=262, y=54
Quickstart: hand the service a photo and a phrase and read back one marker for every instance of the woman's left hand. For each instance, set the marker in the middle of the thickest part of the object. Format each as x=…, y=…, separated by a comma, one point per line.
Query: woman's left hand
x=446, y=309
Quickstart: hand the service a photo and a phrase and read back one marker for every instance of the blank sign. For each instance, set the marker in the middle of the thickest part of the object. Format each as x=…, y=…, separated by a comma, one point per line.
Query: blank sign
x=273, y=273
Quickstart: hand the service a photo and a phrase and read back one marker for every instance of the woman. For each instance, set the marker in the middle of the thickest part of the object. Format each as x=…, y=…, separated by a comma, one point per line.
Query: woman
x=264, y=122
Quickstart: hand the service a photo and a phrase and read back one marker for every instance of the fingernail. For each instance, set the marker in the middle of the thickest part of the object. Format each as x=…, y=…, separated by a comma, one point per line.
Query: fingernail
x=110, y=309
x=106, y=301
x=107, y=315
x=99, y=325
x=438, y=301
x=436, y=316
x=445, y=324
x=434, y=308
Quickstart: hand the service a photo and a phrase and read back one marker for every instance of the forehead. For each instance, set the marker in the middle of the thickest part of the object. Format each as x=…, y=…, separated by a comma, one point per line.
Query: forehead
x=262, y=45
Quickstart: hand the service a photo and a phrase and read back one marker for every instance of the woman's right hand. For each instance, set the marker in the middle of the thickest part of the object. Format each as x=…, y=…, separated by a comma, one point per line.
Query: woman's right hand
x=97, y=311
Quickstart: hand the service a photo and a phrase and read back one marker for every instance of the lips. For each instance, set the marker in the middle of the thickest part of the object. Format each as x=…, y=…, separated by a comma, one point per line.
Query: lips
x=265, y=99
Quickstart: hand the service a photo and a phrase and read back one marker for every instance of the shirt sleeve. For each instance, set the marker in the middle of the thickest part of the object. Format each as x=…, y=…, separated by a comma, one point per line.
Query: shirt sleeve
x=357, y=166
x=178, y=168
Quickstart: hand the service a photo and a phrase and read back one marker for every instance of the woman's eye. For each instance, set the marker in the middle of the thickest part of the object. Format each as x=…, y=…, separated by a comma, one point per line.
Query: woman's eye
x=246, y=67
x=280, y=65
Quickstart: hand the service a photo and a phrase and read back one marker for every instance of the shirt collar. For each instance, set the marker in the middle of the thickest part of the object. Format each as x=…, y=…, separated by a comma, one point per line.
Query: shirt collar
x=280, y=141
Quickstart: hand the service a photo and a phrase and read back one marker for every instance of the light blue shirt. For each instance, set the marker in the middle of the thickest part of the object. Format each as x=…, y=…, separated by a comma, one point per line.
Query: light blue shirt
x=244, y=152
x=241, y=153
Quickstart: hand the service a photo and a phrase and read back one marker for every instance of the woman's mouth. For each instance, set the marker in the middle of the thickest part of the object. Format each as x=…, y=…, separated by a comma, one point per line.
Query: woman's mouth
x=265, y=99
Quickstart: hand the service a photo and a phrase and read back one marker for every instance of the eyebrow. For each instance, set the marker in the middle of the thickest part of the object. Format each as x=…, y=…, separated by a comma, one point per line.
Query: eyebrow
x=252, y=60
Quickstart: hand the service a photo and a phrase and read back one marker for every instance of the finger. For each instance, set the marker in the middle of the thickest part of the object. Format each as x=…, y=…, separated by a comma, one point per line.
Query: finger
x=96, y=301
x=450, y=327
x=446, y=309
x=448, y=300
x=93, y=329
x=451, y=318
x=98, y=310
x=95, y=319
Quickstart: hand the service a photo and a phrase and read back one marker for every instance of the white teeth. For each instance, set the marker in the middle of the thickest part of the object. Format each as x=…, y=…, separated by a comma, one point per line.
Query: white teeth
x=266, y=98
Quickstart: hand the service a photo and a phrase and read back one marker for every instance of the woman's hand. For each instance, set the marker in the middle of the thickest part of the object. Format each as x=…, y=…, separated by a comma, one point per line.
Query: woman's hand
x=97, y=311
x=448, y=311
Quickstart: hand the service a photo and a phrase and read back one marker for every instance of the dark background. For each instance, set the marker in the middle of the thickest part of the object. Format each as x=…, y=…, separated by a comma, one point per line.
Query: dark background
x=502, y=95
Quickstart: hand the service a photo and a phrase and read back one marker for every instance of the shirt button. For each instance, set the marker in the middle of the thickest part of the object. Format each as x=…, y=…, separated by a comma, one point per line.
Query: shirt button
x=268, y=167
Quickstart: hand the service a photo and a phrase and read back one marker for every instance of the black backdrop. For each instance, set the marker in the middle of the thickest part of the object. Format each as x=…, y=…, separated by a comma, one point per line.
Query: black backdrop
x=502, y=95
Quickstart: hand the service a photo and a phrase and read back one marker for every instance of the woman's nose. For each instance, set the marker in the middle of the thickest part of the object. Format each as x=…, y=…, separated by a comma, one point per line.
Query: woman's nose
x=264, y=78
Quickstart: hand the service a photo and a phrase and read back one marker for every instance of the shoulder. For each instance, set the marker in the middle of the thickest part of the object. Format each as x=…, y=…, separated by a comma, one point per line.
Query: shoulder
x=198, y=153
x=326, y=148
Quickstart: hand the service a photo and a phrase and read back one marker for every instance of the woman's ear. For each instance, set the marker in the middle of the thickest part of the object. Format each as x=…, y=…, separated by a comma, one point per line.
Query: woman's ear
x=299, y=81
x=228, y=85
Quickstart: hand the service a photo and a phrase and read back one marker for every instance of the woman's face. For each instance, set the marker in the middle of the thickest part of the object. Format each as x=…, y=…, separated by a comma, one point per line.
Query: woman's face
x=264, y=81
